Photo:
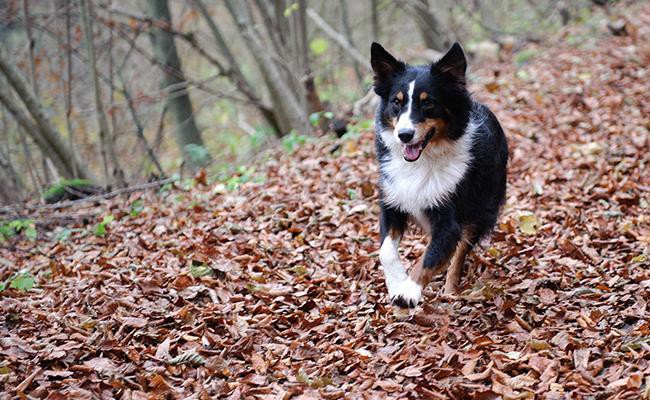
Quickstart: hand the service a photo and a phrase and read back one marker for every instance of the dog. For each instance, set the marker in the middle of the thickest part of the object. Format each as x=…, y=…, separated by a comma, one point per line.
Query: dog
x=442, y=161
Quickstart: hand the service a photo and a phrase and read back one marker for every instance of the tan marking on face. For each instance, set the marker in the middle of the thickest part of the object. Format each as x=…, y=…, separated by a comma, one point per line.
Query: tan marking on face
x=423, y=96
x=431, y=123
x=456, y=264
x=392, y=122
x=439, y=137
x=400, y=96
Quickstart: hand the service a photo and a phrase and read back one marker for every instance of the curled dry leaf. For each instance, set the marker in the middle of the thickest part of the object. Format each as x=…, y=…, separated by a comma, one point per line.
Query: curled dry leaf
x=162, y=351
x=189, y=357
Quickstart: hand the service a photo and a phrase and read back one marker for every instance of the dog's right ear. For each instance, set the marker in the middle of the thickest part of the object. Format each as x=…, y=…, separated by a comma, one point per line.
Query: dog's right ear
x=453, y=64
x=384, y=65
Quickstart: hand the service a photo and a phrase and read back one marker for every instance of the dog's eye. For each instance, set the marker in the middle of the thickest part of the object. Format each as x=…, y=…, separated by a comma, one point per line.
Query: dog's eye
x=397, y=102
x=427, y=102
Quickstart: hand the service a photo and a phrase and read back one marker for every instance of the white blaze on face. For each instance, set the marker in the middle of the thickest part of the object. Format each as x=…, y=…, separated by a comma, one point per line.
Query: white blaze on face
x=404, y=120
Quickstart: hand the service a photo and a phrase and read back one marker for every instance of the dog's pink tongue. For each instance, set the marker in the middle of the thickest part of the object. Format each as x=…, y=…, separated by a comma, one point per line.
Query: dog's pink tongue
x=411, y=153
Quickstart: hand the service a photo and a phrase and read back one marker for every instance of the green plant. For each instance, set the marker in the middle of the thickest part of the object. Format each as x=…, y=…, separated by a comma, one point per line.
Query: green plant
x=524, y=56
x=292, y=141
x=316, y=118
x=12, y=228
x=136, y=208
x=22, y=280
x=318, y=46
x=169, y=185
x=198, y=154
x=100, y=229
x=198, y=269
x=293, y=7
x=6, y=231
x=258, y=137
x=244, y=174
x=63, y=234
x=355, y=129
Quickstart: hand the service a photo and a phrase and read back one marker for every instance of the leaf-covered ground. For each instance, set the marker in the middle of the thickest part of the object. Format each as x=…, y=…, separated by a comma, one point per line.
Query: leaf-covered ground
x=274, y=290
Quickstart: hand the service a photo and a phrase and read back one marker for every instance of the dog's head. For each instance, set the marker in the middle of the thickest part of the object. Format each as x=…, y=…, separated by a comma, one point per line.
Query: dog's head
x=422, y=105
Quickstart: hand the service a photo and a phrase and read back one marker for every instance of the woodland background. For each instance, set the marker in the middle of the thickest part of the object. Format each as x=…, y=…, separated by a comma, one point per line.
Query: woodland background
x=229, y=244
x=117, y=93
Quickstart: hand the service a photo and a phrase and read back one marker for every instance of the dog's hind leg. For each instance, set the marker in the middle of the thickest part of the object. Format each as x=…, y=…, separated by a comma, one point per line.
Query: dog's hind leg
x=422, y=276
x=455, y=268
x=446, y=233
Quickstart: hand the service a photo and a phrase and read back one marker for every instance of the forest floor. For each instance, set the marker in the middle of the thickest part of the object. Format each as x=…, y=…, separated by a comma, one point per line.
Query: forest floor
x=274, y=289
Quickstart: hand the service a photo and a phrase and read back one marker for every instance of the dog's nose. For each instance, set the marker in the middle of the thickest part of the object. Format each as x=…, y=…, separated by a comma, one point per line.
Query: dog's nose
x=405, y=135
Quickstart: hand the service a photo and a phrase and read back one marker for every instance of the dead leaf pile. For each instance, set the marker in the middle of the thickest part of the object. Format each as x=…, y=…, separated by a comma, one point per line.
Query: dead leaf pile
x=274, y=290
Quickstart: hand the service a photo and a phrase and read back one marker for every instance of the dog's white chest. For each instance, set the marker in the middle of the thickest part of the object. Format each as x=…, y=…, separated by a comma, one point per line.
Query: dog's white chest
x=414, y=186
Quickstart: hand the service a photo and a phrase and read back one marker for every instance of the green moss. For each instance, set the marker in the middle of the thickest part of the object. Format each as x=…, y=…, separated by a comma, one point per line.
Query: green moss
x=65, y=188
x=524, y=56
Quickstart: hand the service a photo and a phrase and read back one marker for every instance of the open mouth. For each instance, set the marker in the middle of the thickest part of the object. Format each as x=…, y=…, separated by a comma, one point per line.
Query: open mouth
x=413, y=151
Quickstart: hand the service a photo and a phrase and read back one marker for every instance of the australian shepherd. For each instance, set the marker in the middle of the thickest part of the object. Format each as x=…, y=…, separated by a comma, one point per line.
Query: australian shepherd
x=442, y=159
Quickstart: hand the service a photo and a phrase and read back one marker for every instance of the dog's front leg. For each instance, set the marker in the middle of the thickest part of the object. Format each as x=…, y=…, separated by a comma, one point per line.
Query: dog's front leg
x=446, y=234
x=393, y=225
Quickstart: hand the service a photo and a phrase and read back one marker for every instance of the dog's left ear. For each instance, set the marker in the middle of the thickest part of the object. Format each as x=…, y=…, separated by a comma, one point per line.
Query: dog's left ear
x=383, y=63
x=453, y=63
x=385, y=67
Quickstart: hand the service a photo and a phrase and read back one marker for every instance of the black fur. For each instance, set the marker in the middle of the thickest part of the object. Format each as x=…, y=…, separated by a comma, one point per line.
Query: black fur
x=476, y=201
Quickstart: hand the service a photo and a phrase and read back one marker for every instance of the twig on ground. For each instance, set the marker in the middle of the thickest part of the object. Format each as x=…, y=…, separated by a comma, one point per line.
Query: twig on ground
x=64, y=204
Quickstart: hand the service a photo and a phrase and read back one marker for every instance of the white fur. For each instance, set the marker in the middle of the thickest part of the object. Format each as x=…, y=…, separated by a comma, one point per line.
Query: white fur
x=409, y=290
x=421, y=219
x=394, y=272
x=414, y=186
x=404, y=120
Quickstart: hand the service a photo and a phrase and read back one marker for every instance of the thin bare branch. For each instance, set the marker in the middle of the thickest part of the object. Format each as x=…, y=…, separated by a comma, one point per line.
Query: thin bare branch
x=140, y=130
x=339, y=39
x=69, y=203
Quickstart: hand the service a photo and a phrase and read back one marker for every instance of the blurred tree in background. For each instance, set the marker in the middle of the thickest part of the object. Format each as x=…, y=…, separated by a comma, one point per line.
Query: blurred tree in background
x=117, y=92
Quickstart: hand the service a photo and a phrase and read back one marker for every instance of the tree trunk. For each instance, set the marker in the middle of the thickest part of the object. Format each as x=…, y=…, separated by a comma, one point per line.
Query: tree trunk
x=375, y=20
x=31, y=43
x=267, y=10
x=105, y=137
x=12, y=185
x=347, y=30
x=303, y=41
x=179, y=104
x=428, y=25
x=112, y=134
x=67, y=84
x=49, y=141
x=9, y=193
x=235, y=74
x=288, y=108
x=29, y=160
x=41, y=138
x=6, y=163
x=311, y=94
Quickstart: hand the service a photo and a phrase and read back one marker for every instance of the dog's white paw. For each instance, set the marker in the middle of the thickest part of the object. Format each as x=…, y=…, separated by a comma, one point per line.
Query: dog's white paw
x=406, y=294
